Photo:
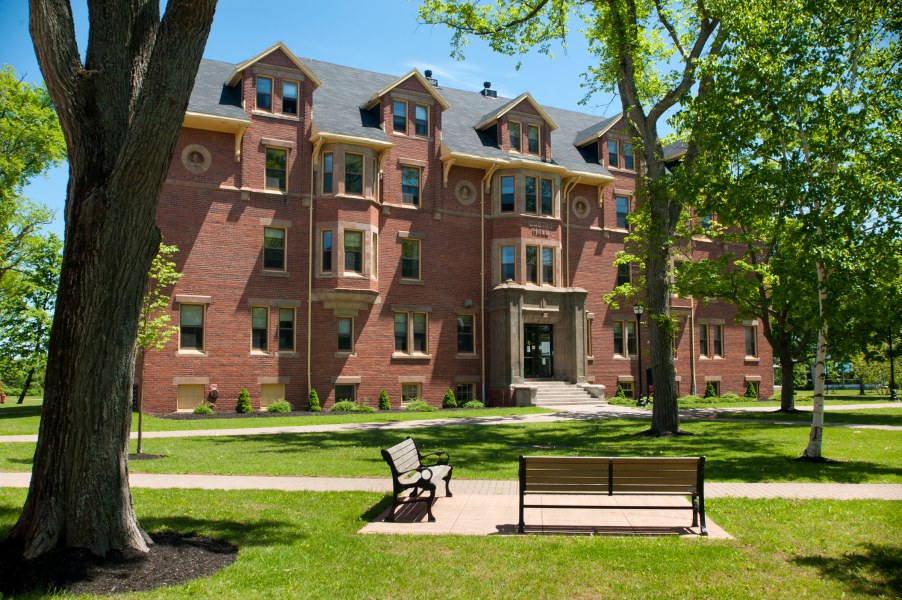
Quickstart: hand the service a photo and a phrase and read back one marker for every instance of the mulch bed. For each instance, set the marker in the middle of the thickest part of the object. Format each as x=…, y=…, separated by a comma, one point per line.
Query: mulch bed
x=173, y=559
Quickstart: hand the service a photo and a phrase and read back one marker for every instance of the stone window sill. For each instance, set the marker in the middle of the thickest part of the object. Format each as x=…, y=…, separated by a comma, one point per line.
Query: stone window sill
x=345, y=354
x=266, y=273
x=622, y=357
x=274, y=115
x=260, y=353
x=466, y=356
x=191, y=353
x=287, y=354
x=403, y=356
x=412, y=282
x=753, y=359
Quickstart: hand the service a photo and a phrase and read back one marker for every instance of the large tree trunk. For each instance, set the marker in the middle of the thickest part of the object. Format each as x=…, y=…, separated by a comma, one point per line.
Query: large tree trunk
x=816, y=437
x=121, y=118
x=787, y=382
x=25, y=386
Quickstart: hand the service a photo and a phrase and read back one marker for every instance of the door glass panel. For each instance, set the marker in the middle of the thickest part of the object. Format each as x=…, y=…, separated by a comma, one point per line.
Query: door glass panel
x=537, y=351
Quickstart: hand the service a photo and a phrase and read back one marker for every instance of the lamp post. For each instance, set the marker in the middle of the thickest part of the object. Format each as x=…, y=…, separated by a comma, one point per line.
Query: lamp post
x=638, y=310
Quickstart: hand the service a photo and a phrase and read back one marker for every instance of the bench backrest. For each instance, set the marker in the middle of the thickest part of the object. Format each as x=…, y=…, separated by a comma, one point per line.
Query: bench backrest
x=402, y=457
x=611, y=475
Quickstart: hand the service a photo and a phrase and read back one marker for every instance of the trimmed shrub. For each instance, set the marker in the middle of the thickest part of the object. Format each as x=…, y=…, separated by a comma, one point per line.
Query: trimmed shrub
x=709, y=391
x=366, y=408
x=750, y=391
x=474, y=404
x=449, y=401
x=313, y=402
x=244, y=402
x=689, y=398
x=280, y=406
x=419, y=406
x=350, y=406
x=732, y=398
x=384, y=402
x=204, y=408
x=620, y=393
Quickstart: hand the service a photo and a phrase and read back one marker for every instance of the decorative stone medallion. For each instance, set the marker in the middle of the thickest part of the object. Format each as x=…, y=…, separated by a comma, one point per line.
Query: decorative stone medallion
x=196, y=158
x=580, y=207
x=465, y=193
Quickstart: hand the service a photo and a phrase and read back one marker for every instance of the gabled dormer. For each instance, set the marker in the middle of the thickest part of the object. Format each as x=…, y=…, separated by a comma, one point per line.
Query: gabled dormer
x=275, y=83
x=607, y=143
x=522, y=127
x=409, y=106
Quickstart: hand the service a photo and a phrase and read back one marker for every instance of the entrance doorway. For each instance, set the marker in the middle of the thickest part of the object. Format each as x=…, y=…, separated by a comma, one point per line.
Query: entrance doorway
x=537, y=351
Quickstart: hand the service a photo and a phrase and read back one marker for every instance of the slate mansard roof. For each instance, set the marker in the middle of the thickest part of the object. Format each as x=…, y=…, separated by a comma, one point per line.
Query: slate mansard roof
x=337, y=109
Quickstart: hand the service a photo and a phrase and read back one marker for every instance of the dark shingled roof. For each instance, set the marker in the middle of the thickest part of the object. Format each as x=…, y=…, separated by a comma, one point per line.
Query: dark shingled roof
x=336, y=109
x=675, y=150
x=595, y=129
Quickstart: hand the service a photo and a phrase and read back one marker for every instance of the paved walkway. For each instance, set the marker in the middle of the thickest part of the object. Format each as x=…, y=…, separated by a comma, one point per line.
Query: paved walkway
x=566, y=413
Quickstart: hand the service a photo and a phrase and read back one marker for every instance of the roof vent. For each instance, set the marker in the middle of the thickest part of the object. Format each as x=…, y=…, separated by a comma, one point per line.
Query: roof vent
x=429, y=78
x=487, y=90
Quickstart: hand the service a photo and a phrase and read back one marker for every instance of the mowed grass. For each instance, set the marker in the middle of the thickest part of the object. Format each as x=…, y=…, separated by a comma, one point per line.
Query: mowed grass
x=25, y=419
x=736, y=451
x=306, y=545
x=871, y=416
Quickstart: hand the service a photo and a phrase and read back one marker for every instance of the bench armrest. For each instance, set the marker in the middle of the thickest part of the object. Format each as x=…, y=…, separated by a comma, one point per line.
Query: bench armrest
x=442, y=459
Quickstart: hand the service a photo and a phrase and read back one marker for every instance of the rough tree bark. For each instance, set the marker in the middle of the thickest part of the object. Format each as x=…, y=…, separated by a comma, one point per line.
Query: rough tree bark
x=121, y=112
x=25, y=386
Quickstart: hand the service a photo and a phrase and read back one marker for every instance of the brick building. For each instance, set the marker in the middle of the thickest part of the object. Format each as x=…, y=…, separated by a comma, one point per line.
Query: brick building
x=352, y=232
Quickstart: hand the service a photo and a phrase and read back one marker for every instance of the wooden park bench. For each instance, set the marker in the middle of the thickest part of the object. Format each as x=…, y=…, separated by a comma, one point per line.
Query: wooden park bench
x=614, y=476
x=409, y=473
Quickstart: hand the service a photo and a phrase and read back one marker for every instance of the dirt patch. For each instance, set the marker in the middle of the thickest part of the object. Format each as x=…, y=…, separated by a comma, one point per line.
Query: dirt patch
x=173, y=559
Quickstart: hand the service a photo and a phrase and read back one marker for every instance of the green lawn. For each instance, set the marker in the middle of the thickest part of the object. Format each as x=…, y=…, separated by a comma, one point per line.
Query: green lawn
x=802, y=399
x=305, y=545
x=871, y=416
x=735, y=451
x=25, y=419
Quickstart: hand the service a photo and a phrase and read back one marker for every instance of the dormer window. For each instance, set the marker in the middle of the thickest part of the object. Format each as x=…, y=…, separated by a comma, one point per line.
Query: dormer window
x=289, y=97
x=421, y=120
x=532, y=139
x=629, y=161
x=613, y=154
x=514, y=132
x=399, y=116
x=620, y=155
x=264, y=93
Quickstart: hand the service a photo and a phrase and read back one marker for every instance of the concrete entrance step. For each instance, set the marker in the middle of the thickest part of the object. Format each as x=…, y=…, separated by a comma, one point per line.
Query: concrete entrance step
x=561, y=393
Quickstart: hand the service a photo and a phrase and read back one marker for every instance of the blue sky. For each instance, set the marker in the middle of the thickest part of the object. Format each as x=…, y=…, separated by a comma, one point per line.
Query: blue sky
x=381, y=36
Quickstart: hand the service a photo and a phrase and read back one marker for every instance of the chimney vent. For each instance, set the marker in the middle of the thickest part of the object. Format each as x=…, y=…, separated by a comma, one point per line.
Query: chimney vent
x=428, y=74
x=487, y=90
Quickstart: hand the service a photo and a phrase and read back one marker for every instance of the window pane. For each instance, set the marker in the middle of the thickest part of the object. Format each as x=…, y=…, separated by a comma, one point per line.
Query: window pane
x=548, y=266
x=192, y=327
x=327, y=251
x=631, y=337
x=399, y=116
x=354, y=251
x=531, y=194
x=507, y=194
x=275, y=168
x=532, y=136
x=345, y=340
x=623, y=209
x=464, y=393
x=410, y=185
x=589, y=350
x=400, y=332
x=410, y=391
x=613, y=158
x=507, y=263
x=327, y=173
x=628, y=158
x=274, y=248
x=354, y=173
x=514, y=134
x=623, y=274
x=345, y=392
x=751, y=341
x=419, y=332
x=410, y=259
x=703, y=339
x=264, y=93
x=465, y=334
x=286, y=329
x=547, y=197
x=421, y=122
x=259, y=326
x=532, y=264
x=289, y=97
x=717, y=337
x=618, y=337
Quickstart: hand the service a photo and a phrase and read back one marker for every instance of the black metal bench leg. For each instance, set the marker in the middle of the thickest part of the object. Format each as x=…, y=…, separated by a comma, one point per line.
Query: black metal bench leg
x=701, y=512
x=694, y=511
x=391, y=513
x=447, y=479
x=429, y=502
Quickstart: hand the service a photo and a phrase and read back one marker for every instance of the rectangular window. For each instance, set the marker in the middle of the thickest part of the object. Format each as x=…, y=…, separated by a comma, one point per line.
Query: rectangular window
x=271, y=392
x=508, y=263
x=354, y=251
x=710, y=340
x=410, y=259
x=276, y=161
x=410, y=392
x=191, y=325
x=327, y=173
x=751, y=341
x=548, y=266
x=613, y=154
x=514, y=132
x=401, y=332
x=421, y=120
x=290, y=97
x=627, y=387
x=419, y=333
x=264, y=93
x=345, y=334
x=190, y=396
x=717, y=339
x=507, y=193
x=589, y=350
x=260, y=328
x=346, y=392
x=547, y=197
x=353, y=173
x=532, y=264
x=463, y=393
x=274, y=248
x=410, y=185
x=703, y=340
x=532, y=139
x=465, y=334
x=286, y=329
x=622, y=205
x=624, y=274
x=532, y=195
x=376, y=255
x=715, y=385
x=399, y=116
x=706, y=221
x=629, y=160
x=327, y=250
x=625, y=338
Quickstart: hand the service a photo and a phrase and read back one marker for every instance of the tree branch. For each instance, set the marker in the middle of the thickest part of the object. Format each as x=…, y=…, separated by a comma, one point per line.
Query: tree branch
x=673, y=34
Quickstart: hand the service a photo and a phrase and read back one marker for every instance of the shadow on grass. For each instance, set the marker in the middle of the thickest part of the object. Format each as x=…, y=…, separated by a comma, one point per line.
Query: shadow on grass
x=876, y=570
x=241, y=533
x=13, y=412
